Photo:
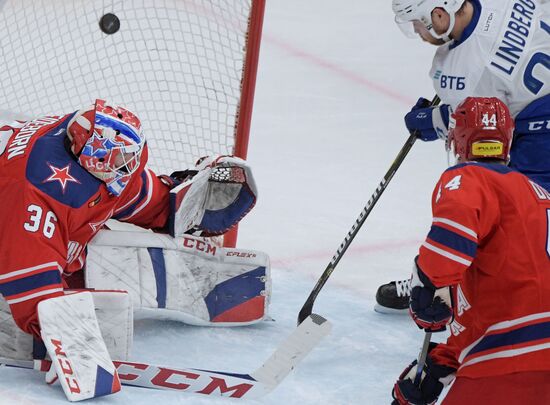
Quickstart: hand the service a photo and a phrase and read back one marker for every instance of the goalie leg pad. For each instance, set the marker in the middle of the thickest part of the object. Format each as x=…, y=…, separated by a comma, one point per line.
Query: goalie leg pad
x=71, y=334
x=14, y=343
x=114, y=315
x=190, y=280
x=239, y=298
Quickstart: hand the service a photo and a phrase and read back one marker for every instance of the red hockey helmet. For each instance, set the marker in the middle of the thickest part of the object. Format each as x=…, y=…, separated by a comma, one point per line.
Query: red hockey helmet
x=108, y=141
x=481, y=128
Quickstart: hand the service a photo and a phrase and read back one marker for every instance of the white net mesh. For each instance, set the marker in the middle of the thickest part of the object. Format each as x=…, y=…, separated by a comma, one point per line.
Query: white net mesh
x=177, y=63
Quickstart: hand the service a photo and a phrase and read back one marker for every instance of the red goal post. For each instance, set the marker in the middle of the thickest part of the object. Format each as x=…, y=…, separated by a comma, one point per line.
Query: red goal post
x=186, y=67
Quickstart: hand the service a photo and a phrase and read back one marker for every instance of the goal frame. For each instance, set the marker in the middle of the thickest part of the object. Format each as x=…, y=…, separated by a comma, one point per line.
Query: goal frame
x=244, y=113
x=225, y=133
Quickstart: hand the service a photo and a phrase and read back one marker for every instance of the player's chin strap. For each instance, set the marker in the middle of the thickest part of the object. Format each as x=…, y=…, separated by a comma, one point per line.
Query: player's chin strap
x=447, y=35
x=215, y=199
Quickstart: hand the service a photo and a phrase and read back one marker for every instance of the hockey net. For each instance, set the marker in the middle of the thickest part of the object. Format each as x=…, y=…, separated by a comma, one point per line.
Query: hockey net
x=186, y=67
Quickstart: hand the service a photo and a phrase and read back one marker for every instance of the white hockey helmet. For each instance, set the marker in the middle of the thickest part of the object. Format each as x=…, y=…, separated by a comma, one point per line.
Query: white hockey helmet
x=412, y=15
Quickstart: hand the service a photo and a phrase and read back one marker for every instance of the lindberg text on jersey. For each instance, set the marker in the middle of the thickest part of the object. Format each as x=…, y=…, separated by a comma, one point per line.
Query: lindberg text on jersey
x=515, y=37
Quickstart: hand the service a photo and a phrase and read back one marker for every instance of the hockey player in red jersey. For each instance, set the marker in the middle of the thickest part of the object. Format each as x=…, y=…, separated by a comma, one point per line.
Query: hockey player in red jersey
x=483, y=272
x=62, y=178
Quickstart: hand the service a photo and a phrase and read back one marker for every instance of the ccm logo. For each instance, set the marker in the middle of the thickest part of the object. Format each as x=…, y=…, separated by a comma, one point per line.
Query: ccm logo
x=66, y=366
x=181, y=380
x=199, y=245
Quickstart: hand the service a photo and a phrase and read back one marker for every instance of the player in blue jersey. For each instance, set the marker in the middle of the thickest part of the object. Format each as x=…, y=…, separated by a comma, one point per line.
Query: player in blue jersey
x=486, y=48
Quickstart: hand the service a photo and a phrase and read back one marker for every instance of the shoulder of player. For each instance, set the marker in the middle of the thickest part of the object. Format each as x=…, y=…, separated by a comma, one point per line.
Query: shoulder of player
x=468, y=181
x=482, y=173
x=479, y=169
x=481, y=34
x=53, y=171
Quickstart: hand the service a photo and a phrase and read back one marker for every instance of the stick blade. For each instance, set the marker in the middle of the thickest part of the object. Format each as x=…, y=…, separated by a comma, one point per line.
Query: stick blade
x=305, y=312
x=292, y=351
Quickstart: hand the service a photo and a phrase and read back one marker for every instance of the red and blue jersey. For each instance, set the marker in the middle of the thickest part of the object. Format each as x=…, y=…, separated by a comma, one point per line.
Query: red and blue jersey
x=52, y=207
x=489, y=241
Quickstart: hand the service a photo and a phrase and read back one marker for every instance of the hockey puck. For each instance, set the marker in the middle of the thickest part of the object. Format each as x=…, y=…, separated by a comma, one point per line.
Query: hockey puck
x=109, y=23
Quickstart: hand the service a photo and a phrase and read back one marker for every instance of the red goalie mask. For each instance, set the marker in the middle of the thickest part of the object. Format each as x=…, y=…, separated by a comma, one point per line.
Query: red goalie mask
x=481, y=128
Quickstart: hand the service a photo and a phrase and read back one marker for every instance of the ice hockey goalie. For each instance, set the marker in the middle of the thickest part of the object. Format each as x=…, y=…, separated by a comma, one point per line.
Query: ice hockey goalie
x=62, y=178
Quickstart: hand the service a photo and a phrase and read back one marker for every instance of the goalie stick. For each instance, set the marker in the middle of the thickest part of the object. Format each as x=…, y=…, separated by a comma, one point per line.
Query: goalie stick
x=217, y=383
x=307, y=308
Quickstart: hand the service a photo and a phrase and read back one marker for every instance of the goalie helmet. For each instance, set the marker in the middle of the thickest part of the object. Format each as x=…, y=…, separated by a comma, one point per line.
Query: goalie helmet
x=411, y=16
x=481, y=128
x=108, y=141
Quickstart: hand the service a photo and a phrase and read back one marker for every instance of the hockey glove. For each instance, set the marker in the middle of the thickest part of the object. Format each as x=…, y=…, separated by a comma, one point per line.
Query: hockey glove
x=434, y=378
x=430, y=307
x=430, y=122
x=213, y=200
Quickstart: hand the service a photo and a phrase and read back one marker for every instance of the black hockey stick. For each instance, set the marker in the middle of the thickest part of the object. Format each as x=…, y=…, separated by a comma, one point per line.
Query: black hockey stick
x=422, y=358
x=421, y=362
x=307, y=308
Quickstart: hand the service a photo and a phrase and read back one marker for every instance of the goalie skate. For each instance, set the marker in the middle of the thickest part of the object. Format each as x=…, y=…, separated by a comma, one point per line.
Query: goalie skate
x=393, y=297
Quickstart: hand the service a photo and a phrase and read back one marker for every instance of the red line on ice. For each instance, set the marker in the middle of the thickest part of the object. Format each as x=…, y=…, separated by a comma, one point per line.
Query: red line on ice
x=352, y=251
x=339, y=70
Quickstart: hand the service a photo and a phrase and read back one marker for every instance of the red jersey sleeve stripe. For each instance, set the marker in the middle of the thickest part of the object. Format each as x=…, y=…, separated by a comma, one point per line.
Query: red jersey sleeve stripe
x=452, y=241
x=29, y=295
x=24, y=286
x=448, y=255
x=132, y=200
x=455, y=226
x=13, y=275
x=149, y=187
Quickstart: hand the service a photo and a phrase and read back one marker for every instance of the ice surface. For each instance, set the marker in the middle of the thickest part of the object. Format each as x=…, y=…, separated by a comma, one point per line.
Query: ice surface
x=334, y=82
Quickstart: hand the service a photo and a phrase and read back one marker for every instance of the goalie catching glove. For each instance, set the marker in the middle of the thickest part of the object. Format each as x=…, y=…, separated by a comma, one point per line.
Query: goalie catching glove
x=214, y=199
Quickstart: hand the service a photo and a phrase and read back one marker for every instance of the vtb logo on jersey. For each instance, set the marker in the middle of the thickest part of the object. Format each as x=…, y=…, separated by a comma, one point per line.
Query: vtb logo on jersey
x=61, y=175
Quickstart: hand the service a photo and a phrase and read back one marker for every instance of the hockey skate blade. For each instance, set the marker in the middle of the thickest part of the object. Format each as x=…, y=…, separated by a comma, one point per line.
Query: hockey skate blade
x=292, y=351
x=390, y=311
